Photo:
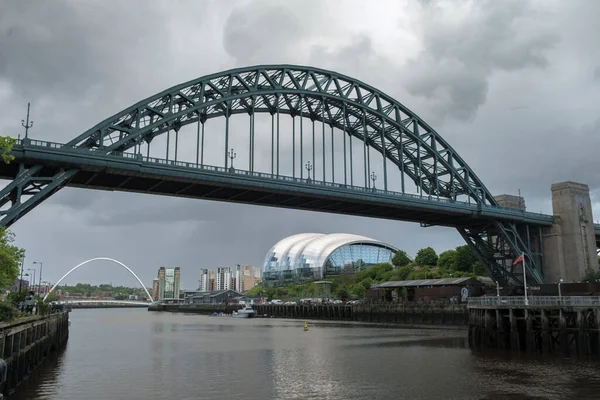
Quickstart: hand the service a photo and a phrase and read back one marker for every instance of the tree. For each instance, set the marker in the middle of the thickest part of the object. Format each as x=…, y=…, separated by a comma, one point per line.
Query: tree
x=358, y=290
x=402, y=273
x=401, y=259
x=6, y=144
x=341, y=293
x=426, y=256
x=466, y=260
x=448, y=259
x=10, y=257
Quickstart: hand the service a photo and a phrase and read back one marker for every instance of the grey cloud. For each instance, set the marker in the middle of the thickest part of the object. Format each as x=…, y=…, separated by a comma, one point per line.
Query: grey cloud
x=460, y=57
x=262, y=32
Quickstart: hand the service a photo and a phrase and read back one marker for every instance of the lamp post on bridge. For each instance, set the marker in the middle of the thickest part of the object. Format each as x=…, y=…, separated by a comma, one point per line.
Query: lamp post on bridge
x=28, y=124
x=40, y=281
x=373, y=178
x=309, y=168
x=231, y=155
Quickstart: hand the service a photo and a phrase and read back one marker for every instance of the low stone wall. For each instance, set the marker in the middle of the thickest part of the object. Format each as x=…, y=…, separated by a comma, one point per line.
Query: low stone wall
x=25, y=343
x=422, y=314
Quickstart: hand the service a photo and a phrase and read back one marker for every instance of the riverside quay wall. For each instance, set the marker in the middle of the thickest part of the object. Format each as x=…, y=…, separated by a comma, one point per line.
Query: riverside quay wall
x=560, y=325
x=25, y=343
x=425, y=314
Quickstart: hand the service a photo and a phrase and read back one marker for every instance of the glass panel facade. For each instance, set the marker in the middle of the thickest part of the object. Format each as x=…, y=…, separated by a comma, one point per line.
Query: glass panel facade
x=311, y=257
x=170, y=284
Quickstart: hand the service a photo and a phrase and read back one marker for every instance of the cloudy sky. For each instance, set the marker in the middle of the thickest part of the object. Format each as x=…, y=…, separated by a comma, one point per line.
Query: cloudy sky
x=513, y=86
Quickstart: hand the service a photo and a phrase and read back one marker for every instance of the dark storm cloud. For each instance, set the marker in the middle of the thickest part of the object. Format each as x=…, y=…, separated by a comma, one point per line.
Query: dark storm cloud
x=461, y=53
x=59, y=48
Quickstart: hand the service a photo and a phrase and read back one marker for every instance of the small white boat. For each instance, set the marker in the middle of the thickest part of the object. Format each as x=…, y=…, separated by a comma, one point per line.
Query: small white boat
x=246, y=312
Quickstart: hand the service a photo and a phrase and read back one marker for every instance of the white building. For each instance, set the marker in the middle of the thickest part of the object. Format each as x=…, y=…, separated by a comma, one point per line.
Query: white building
x=203, y=286
x=239, y=279
x=223, y=278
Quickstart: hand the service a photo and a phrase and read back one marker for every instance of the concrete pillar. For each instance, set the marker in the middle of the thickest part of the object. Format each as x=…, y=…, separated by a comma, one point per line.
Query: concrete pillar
x=570, y=245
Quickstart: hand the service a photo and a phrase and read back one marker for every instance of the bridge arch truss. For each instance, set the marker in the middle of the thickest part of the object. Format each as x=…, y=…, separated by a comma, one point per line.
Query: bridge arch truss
x=325, y=98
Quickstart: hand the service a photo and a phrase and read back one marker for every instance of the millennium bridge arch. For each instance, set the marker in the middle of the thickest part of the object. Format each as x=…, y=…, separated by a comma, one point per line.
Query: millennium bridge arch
x=449, y=192
x=100, y=259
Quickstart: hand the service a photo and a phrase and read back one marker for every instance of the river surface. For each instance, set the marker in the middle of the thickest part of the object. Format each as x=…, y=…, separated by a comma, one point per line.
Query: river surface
x=135, y=354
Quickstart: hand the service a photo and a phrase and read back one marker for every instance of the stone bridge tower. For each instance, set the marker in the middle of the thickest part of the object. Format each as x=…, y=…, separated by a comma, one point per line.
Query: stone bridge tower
x=570, y=244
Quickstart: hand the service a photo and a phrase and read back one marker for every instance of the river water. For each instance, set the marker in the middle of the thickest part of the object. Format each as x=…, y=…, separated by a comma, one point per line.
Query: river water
x=135, y=354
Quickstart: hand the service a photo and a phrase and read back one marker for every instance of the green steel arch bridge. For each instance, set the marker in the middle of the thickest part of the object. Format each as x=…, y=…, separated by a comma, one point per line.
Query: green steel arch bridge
x=423, y=179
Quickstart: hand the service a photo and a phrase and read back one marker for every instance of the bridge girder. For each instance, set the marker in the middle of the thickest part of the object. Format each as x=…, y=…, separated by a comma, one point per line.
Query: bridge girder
x=332, y=99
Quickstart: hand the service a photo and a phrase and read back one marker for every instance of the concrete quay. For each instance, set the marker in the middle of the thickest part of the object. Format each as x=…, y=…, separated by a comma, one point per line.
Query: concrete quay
x=25, y=343
x=413, y=314
x=552, y=324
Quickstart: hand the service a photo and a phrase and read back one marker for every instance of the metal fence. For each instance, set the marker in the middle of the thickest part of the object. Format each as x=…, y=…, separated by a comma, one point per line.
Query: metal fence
x=534, y=301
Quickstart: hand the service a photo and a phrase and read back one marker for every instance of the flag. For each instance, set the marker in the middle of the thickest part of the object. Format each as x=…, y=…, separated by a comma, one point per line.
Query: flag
x=518, y=260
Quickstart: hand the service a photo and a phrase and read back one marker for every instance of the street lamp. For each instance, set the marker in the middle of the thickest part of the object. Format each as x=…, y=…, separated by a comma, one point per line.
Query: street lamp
x=374, y=178
x=232, y=156
x=32, y=269
x=40, y=284
x=309, y=167
x=559, y=293
x=497, y=289
x=21, y=278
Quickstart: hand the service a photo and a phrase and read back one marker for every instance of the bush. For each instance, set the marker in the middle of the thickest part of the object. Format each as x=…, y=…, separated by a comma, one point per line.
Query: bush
x=8, y=312
x=43, y=307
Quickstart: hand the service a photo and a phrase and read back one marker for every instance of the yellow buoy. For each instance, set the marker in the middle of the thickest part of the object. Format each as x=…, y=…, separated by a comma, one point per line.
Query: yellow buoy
x=305, y=326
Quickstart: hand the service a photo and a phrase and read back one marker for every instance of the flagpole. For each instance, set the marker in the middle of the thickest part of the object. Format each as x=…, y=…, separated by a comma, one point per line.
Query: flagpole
x=525, y=279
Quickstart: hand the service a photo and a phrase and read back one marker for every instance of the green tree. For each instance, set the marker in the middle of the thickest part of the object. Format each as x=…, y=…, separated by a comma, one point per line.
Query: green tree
x=426, y=256
x=358, y=290
x=6, y=144
x=401, y=259
x=10, y=256
x=448, y=259
x=402, y=273
x=466, y=260
x=341, y=293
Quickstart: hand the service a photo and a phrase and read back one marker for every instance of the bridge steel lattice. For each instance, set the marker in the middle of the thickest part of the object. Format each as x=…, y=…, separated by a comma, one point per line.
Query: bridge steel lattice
x=110, y=156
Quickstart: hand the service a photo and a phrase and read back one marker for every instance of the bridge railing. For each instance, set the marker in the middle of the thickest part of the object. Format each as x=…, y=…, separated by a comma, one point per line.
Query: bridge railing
x=263, y=175
x=534, y=301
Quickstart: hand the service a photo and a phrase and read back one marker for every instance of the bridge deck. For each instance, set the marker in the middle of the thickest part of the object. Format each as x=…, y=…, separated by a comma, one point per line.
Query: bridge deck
x=137, y=173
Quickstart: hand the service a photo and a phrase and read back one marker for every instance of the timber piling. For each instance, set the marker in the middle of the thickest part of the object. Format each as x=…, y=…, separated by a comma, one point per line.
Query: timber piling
x=562, y=325
x=25, y=343
x=409, y=313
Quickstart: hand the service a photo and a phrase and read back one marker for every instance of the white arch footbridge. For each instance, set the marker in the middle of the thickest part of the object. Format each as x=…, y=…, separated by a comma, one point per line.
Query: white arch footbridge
x=100, y=259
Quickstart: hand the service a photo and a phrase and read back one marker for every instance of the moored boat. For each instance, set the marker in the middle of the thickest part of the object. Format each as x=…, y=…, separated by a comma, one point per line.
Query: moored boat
x=246, y=312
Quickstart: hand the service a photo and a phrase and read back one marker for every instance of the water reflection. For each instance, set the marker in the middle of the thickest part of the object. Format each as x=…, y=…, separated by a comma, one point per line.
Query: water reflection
x=135, y=354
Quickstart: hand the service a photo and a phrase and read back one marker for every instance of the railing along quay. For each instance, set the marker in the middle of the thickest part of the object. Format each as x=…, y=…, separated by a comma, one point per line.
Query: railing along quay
x=534, y=301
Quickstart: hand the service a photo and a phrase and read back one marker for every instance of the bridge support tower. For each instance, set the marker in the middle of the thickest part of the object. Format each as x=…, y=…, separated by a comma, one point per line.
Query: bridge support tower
x=570, y=244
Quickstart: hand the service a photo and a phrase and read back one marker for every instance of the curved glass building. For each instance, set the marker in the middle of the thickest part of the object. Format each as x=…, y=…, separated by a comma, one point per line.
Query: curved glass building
x=312, y=256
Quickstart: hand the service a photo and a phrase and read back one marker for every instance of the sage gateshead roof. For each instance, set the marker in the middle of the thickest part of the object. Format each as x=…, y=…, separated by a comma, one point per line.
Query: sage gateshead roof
x=313, y=256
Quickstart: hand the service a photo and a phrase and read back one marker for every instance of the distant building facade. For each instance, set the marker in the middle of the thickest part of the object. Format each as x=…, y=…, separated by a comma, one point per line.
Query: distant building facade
x=224, y=278
x=168, y=283
x=155, y=291
x=240, y=278
x=203, y=282
x=212, y=297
